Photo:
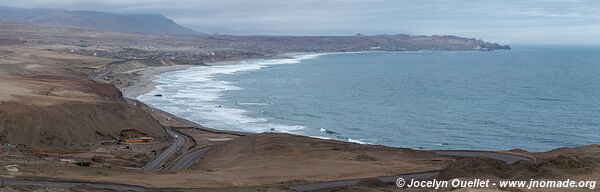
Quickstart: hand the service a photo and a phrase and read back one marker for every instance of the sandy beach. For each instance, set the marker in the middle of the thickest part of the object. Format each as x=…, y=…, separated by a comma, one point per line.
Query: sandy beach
x=61, y=123
x=235, y=159
x=144, y=79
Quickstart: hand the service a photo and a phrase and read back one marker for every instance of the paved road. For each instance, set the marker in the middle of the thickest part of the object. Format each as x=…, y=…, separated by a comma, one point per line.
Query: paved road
x=350, y=182
x=158, y=162
x=108, y=70
x=136, y=70
x=508, y=158
x=188, y=159
x=68, y=184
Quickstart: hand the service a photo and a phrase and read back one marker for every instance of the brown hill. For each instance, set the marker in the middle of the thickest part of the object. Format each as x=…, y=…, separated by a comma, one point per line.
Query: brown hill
x=70, y=124
x=273, y=156
x=44, y=103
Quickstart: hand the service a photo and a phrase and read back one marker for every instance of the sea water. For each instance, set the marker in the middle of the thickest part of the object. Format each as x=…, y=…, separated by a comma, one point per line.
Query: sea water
x=532, y=97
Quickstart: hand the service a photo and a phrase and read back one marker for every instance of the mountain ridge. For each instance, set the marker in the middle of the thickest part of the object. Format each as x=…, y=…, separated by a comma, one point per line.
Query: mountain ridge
x=149, y=23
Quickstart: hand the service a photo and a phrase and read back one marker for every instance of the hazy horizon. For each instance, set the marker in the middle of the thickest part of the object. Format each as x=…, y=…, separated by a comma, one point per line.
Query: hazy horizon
x=505, y=22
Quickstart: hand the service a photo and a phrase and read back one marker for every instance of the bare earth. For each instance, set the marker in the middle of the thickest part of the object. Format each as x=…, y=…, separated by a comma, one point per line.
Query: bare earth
x=64, y=107
x=45, y=102
x=78, y=112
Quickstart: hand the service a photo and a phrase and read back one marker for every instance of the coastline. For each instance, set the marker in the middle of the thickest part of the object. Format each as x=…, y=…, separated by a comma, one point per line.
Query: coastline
x=359, y=158
x=268, y=161
x=145, y=81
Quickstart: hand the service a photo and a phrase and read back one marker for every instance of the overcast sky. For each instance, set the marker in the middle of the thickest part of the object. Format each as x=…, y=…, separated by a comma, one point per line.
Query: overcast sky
x=505, y=21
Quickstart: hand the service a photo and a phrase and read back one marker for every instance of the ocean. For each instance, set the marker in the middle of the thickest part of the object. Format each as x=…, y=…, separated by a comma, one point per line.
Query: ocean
x=532, y=97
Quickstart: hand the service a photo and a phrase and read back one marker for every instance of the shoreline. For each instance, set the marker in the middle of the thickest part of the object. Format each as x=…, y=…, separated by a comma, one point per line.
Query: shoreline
x=146, y=79
x=270, y=162
x=144, y=82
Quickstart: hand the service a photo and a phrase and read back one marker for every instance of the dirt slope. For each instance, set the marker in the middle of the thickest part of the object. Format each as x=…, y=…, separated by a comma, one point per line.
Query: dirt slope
x=46, y=102
x=304, y=158
x=71, y=124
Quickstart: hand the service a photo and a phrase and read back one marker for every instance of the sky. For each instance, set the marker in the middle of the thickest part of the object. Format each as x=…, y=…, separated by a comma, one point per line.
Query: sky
x=503, y=21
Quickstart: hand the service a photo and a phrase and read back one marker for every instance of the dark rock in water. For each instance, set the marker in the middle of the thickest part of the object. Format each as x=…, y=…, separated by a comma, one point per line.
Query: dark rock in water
x=329, y=132
x=158, y=95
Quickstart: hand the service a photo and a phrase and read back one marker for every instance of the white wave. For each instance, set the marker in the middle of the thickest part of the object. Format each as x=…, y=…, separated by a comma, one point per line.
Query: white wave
x=357, y=141
x=194, y=94
x=320, y=137
x=284, y=128
x=251, y=103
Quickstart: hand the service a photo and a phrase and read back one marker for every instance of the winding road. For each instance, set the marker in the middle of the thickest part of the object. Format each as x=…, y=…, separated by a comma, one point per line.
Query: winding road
x=158, y=162
x=185, y=161
x=188, y=159
x=68, y=184
x=509, y=158
x=506, y=157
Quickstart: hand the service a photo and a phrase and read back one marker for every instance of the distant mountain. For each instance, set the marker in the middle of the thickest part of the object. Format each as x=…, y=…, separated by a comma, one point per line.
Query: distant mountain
x=137, y=23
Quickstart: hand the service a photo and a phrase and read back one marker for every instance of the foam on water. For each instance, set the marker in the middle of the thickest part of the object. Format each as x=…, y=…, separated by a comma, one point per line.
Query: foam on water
x=532, y=98
x=194, y=94
x=357, y=141
x=255, y=104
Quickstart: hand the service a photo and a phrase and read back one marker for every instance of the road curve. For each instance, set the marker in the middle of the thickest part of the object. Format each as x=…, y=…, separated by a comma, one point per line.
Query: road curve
x=158, y=162
x=506, y=157
x=69, y=184
x=350, y=182
x=188, y=159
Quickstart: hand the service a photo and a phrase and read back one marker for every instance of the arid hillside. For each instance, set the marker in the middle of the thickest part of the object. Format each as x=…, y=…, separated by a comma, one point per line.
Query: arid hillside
x=45, y=102
x=274, y=155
